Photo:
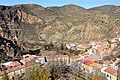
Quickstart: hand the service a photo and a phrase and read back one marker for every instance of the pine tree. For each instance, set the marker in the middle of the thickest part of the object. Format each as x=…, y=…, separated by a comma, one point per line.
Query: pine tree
x=39, y=73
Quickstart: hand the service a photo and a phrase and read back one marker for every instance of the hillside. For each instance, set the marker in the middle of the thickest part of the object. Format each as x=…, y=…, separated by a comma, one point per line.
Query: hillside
x=69, y=23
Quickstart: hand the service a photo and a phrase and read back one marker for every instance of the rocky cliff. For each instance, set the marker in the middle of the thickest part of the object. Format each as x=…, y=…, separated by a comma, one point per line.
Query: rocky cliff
x=13, y=22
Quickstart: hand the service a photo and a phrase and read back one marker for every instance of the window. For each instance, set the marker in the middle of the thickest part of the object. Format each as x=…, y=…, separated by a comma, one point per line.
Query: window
x=84, y=69
x=107, y=75
x=11, y=66
x=110, y=78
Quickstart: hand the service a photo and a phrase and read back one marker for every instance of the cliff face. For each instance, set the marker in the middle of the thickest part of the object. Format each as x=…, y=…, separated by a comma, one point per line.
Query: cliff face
x=13, y=23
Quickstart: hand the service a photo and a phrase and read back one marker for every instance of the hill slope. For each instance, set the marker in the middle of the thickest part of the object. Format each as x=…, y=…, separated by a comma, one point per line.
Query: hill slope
x=63, y=24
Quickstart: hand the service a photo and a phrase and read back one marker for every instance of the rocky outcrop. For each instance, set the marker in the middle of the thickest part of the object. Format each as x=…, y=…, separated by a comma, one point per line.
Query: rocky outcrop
x=11, y=24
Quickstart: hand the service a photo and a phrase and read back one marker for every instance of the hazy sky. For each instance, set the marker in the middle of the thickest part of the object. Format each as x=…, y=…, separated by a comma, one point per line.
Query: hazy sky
x=45, y=3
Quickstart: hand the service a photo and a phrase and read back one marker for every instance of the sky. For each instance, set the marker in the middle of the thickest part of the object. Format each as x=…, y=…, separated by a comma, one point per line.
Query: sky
x=47, y=3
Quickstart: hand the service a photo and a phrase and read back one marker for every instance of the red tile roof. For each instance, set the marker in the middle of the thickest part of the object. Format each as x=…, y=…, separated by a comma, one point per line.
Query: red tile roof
x=92, y=59
x=87, y=62
x=85, y=54
x=107, y=62
x=80, y=48
x=98, y=52
x=111, y=71
x=14, y=63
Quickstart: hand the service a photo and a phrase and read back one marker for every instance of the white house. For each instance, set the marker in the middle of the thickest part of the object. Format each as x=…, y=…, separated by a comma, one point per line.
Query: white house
x=71, y=46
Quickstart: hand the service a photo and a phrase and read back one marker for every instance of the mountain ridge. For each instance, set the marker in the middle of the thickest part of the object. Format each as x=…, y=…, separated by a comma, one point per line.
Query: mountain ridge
x=107, y=9
x=66, y=23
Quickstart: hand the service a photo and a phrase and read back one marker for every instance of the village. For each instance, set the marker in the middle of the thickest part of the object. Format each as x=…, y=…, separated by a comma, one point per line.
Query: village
x=93, y=58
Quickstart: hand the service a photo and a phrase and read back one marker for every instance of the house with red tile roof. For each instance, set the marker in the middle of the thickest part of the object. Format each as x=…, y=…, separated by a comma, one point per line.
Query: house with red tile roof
x=13, y=65
x=110, y=73
x=29, y=58
x=80, y=47
x=17, y=69
x=71, y=46
x=84, y=56
x=40, y=59
x=58, y=59
x=115, y=40
x=86, y=65
x=96, y=68
x=75, y=46
x=75, y=58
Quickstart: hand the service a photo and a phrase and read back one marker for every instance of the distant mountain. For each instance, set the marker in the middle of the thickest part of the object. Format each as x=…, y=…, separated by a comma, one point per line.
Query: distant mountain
x=67, y=9
x=107, y=9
